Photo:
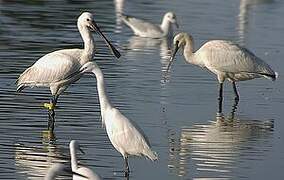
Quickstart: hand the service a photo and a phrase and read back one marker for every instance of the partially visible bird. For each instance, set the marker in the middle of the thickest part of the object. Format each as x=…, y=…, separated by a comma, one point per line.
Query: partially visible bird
x=126, y=137
x=55, y=70
x=81, y=170
x=58, y=169
x=225, y=59
x=146, y=29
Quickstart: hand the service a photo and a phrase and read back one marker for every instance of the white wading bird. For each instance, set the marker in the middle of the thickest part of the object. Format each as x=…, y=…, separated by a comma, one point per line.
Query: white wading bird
x=55, y=70
x=146, y=29
x=225, y=59
x=58, y=169
x=126, y=137
x=81, y=170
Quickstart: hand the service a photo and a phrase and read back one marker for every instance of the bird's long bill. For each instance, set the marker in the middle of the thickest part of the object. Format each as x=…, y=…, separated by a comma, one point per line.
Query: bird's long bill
x=176, y=23
x=111, y=47
x=172, y=57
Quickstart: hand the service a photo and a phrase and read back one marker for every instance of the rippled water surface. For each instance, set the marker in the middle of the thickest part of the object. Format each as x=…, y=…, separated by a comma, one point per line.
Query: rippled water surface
x=178, y=116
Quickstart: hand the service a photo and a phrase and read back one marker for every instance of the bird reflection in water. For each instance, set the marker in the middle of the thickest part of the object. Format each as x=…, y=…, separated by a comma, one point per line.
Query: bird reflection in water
x=217, y=149
x=118, y=4
x=33, y=162
x=150, y=46
x=243, y=17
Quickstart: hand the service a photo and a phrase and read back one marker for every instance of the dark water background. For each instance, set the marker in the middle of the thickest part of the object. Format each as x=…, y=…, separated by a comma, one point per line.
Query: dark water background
x=178, y=116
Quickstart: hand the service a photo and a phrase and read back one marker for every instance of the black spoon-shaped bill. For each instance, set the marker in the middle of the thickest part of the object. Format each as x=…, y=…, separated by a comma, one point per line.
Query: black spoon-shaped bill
x=172, y=56
x=111, y=47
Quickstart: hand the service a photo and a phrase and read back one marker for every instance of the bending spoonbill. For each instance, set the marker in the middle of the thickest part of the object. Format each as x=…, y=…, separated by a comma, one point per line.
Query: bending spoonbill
x=146, y=29
x=55, y=70
x=126, y=137
x=56, y=170
x=82, y=171
x=225, y=59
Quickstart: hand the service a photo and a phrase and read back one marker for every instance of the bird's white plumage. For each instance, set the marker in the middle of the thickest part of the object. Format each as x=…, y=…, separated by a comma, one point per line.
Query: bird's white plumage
x=146, y=29
x=55, y=170
x=125, y=135
x=58, y=169
x=225, y=58
x=140, y=26
x=54, y=69
x=85, y=171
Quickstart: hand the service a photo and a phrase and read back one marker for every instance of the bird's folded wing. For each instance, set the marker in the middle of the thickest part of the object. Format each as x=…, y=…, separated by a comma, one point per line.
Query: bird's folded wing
x=51, y=68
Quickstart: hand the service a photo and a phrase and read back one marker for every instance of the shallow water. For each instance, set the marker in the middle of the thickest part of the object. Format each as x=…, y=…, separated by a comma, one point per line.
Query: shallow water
x=178, y=115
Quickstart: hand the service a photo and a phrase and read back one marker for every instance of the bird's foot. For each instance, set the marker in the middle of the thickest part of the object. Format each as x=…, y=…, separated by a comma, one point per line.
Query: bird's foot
x=219, y=115
x=49, y=106
x=126, y=173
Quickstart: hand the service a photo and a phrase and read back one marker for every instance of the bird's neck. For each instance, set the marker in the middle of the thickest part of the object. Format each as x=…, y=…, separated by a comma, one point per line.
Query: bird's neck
x=166, y=26
x=89, y=44
x=103, y=98
x=74, y=164
x=188, y=52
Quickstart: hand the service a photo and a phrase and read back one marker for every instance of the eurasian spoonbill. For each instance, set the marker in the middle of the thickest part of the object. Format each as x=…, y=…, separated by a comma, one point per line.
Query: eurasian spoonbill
x=55, y=70
x=146, y=29
x=81, y=170
x=126, y=136
x=225, y=59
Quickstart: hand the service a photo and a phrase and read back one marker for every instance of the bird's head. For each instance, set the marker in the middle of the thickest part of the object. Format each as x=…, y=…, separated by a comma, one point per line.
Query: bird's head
x=180, y=40
x=89, y=67
x=171, y=17
x=86, y=19
x=75, y=145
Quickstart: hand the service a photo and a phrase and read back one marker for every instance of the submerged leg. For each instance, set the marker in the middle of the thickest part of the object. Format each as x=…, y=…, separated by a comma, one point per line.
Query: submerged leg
x=51, y=113
x=220, y=98
x=234, y=109
x=126, y=167
x=237, y=97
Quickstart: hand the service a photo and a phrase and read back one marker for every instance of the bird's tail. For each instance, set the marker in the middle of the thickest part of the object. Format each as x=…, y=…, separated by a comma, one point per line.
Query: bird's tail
x=276, y=75
x=273, y=77
x=20, y=87
x=152, y=155
x=20, y=82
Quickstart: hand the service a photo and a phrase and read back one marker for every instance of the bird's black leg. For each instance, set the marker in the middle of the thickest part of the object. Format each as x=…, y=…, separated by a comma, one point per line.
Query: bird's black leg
x=126, y=167
x=234, y=109
x=237, y=97
x=220, y=98
x=51, y=114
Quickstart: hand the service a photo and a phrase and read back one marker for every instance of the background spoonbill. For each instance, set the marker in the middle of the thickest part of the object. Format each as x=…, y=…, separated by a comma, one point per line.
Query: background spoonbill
x=225, y=59
x=57, y=169
x=146, y=29
x=55, y=70
x=126, y=136
x=81, y=170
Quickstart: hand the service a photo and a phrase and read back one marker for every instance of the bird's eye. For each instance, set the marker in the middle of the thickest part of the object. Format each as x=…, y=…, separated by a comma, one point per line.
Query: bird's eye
x=88, y=19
